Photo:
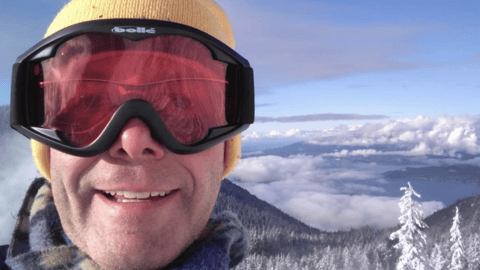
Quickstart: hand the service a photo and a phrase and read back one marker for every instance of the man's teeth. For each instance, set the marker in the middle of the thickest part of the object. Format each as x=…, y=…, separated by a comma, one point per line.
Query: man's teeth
x=138, y=195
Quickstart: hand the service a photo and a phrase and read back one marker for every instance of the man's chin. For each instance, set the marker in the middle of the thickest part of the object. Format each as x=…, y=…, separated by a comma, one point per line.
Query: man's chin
x=136, y=245
x=133, y=257
x=129, y=250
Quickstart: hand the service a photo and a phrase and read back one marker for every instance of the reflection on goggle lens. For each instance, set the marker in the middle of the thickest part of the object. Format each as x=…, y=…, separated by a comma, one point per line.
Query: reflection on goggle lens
x=94, y=74
x=187, y=115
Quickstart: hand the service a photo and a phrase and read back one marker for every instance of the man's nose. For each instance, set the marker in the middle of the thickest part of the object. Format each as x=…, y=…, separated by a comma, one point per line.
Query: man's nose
x=136, y=143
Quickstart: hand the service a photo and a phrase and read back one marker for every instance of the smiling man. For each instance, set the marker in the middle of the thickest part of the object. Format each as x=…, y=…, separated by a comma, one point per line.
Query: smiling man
x=134, y=109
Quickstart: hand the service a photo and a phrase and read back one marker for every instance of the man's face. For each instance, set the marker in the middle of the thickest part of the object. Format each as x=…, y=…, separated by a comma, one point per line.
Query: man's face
x=135, y=235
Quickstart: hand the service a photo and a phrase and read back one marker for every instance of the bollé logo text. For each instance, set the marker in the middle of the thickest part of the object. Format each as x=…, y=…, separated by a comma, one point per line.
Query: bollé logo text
x=133, y=29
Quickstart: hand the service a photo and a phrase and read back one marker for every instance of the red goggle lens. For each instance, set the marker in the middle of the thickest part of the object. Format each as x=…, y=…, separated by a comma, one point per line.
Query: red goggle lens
x=92, y=75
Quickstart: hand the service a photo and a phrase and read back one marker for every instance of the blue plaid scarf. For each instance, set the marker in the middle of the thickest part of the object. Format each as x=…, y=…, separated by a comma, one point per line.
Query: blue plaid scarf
x=39, y=241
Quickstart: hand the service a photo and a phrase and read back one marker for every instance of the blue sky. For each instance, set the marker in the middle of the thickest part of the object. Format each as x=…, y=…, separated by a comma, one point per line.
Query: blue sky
x=325, y=60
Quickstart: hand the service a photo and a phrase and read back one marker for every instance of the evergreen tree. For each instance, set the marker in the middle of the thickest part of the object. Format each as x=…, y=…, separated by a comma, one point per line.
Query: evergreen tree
x=473, y=252
x=295, y=266
x=347, y=260
x=458, y=257
x=377, y=262
x=324, y=263
x=412, y=240
x=436, y=260
x=303, y=261
x=364, y=263
x=316, y=258
x=269, y=264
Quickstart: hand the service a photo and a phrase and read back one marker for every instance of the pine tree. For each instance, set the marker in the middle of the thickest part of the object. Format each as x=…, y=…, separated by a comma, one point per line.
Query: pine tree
x=458, y=257
x=412, y=240
x=473, y=252
x=295, y=266
x=316, y=258
x=257, y=263
x=347, y=260
x=364, y=263
x=436, y=260
x=269, y=264
x=377, y=262
x=323, y=263
x=303, y=261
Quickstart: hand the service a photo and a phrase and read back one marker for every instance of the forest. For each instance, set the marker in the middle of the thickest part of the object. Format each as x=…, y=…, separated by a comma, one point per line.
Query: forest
x=281, y=242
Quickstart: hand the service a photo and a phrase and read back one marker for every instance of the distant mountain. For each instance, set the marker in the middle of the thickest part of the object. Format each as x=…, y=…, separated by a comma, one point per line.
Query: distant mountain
x=455, y=173
x=318, y=149
x=305, y=148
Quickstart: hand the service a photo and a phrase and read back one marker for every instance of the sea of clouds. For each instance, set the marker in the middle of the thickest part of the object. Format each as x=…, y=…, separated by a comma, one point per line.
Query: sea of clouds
x=331, y=198
x=307, y=188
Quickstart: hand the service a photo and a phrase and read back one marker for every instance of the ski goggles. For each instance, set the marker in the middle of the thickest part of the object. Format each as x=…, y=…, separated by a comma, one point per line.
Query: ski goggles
x=75, y=90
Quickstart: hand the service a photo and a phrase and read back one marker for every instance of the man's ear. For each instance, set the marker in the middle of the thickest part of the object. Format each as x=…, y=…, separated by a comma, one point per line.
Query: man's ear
x=41, y=156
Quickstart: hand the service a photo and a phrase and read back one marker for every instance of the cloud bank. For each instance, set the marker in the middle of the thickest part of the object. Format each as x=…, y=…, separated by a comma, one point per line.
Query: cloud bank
x=318, y=117
x=309, y=189
x=442, y=135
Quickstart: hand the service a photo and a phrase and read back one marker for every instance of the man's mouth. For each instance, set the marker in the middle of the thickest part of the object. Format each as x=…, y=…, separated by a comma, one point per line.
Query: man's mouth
x=130, y=196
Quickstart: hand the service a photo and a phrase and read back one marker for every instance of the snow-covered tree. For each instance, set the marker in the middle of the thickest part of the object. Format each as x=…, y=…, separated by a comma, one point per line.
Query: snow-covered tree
x=412, y=240
x=473, y=252
x=436, y=260
x=364, y=263
x=269, y=264
x=316, y=258
x=377, y=262
x=458, y=257
x=347, y=258
x=323, y=263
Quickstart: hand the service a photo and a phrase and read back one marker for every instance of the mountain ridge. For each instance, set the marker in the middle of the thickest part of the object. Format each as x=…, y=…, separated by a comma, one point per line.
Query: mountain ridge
x=461, y=173
x=250, y=209
x=299, y=244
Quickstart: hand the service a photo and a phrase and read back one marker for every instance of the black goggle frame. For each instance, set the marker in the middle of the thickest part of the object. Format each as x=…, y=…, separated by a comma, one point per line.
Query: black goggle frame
x=26, y=104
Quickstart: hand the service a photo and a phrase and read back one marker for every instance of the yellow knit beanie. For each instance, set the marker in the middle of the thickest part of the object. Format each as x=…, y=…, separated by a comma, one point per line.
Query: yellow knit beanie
x=204, y=15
